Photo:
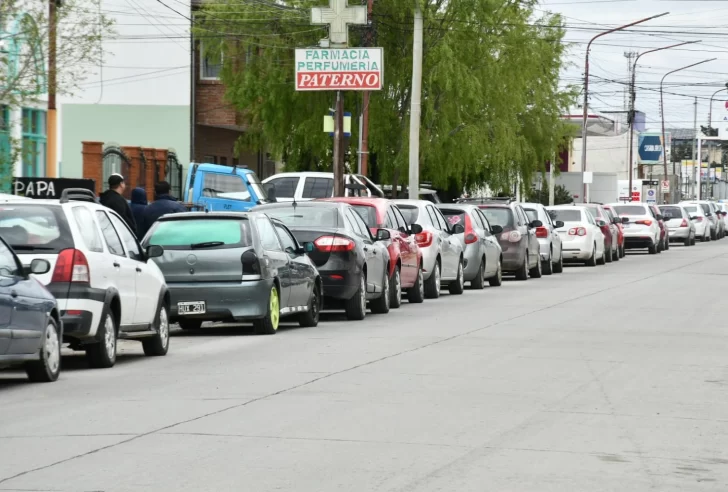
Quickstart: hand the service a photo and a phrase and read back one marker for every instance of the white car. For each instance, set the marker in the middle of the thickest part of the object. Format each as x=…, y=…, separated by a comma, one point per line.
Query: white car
x=700, y=214
x=581, y=238
x=104, y=283
x=641, y=228
x=548, y=239
x=723, y=207
x=305, y=186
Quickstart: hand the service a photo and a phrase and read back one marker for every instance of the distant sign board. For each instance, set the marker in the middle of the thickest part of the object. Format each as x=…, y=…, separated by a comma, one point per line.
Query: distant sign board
x=49, y=188
x=651, y=196
x=650, y=148
x=346, y=69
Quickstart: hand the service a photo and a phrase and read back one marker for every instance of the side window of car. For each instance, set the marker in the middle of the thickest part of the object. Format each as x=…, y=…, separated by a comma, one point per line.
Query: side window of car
x=285, y=187
x=8, y=264
x=590, y=218
x=110, y=236
x=389, y=221
x=268, y=236
x=132, y=247
x=486, y=224
x=87, y=227
x=475, y=217
x=289, y=244
x=318, y=188
x=401, y=223
x=441, y=221
x=359, y=226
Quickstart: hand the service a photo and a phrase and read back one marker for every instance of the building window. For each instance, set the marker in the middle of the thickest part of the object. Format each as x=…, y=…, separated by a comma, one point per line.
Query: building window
x=34, y=143
x=209, y=159
x=210, y=65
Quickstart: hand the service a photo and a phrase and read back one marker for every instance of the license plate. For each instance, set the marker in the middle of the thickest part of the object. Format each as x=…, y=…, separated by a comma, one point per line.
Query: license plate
x=196, y=307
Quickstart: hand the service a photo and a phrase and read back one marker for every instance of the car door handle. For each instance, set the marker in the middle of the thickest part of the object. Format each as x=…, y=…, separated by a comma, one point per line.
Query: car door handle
x=14, y=293
x=139, y=270
x=117, y=265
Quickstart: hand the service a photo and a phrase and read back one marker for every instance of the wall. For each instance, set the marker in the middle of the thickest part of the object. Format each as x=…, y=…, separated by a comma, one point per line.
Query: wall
x=603, y=189
x=162, y=127
x=604, y=154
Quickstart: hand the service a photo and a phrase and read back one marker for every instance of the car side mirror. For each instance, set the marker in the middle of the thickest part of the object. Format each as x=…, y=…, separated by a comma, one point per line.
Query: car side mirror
x=693, y=217
x=415, y=229
x=625, y=220
x=38, y=267
x=307, y=247
x=559, y=224
x=660, y=217
x=601, y=223
x=154, y=251
x=383, y=235
x=535, y=223
x=457, y=229
x=496, y=229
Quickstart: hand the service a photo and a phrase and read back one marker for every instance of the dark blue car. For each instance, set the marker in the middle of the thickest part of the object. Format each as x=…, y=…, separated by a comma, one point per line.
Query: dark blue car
x=30, y=326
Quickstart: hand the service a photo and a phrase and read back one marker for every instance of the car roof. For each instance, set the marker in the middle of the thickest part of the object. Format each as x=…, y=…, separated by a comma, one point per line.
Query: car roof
x=407, y=201
x=306, y=204
x=568, y=207
x=205, y=215
x=358, y=200
x=532, y=204
x=299, y=174
x=206, y=166
x=457, y=206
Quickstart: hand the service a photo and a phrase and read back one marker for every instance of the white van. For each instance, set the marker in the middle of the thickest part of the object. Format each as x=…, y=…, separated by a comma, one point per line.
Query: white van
x=305, y=186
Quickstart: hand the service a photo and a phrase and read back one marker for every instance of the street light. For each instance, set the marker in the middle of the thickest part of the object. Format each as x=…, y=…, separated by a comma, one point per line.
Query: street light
x=633, y=96
x=662, y=114
x=710, y=110
x=586, y=86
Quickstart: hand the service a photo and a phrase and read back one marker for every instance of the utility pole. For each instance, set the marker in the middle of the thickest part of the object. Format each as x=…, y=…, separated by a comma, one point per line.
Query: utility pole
x=364, y=121
x=52, y=120
x=695, y=125
x=338, y=167
x=552, y=185
x=414, y=143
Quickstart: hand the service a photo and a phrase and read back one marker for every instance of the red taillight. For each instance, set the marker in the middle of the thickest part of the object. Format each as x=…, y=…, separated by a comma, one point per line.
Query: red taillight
x=684, y=223
x=577, y=231
x=646, y=222
x=333, y=244
x=470, y=235
x=542, y=232
x=423, y=239
x=71, y=266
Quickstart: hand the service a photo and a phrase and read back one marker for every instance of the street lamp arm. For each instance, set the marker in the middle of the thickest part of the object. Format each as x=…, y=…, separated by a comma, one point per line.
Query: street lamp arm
x=588, y=46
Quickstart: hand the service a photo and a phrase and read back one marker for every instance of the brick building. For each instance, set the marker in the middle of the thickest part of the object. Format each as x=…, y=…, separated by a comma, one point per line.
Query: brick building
x=215, y=125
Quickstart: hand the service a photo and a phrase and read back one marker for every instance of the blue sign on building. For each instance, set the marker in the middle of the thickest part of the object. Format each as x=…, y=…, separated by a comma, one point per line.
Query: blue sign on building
x=650, y=148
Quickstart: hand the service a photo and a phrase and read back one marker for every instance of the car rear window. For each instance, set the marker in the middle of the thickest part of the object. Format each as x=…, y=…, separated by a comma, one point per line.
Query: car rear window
x=630, y=210
x=305, y=216
x=532, y=214
x=35, y=227
x=411, y=213
x=368, y=213
x=501, y=216
x=453, y=216
x=186, y=234
x=706, y=208
x=671, y=212
x=566, y=215
x=691, y=208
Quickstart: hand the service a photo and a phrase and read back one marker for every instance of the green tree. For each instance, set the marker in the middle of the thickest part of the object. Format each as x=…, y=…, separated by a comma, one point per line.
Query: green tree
x=562, y=196
x=491, y=103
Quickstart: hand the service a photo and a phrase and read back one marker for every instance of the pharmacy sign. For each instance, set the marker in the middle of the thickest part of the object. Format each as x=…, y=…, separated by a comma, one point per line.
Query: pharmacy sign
x=344, y=69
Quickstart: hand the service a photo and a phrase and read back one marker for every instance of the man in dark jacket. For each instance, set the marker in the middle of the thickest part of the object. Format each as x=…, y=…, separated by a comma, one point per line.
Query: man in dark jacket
x=113, y=199
x=138, y=206
x=164, y=204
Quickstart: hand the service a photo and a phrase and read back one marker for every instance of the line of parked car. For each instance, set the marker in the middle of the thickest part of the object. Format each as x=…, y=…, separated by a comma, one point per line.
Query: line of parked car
x=72, y=272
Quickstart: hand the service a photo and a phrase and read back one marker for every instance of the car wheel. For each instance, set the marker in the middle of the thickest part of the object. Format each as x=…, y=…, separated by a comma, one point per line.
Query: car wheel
x=380, y=305
x=603, y=259
x=102, y=355
x=497, y=280
x=268, y=325
x=592, y=261
x=622, y=252
x=667, y=244
x=190, y=324
x=356, y=307
x=615, y=254
x=47, y=368
x=458, y=286
x=536, y=271
x=478, y=282
x=607, y=255
x=158, y=345
x=547, y=267
x=432, y=284
x=522, y=272
x=310, y=318
x=713, y=236
x=395, y=289
x=416, y=294
x=559, y=265
x=688, y=241
x=652, y=249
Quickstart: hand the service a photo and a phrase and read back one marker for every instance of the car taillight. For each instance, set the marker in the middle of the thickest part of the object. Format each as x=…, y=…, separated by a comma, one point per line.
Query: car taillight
x=470, y=235
x=333, y=244
x=251, y=265
x=514, y=236
x=423, y=239
x=542, y=232
x=577, y=231
x=684, y=223
x=71, y=266
x=646, y=222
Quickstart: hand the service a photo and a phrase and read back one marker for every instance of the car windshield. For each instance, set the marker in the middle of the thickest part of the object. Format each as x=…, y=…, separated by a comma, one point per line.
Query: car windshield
x=706, y=207
x=532, y=214
x=453, y=216
x=410, y=212
x=501, y=216
x=35, y=228
x=368, y=213
x=630, y=210
x=565, y=215
x=201, y=233
x=691, y=208
x=257, y=186
x=305, y=216
x=671, y=212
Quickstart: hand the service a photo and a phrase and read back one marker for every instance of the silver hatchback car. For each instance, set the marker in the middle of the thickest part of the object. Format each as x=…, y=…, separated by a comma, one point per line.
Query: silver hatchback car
x=678, y=222
x=552, y=260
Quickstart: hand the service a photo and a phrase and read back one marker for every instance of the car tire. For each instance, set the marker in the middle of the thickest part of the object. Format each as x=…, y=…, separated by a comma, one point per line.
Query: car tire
x=652, y=249
x=547, y=267
x=310, y=318
x=497, y=279
x=432, y=284
x=478, y=283
x=381, y=305
x=615, y=254
x=603, y=259
x=268, y=325
x=190, y=324
x=158, y=345
x=688, y=241
x=356, y=307
x=457, y=287
x=608, y=256
x=48, y=367
x=559, y=266
x=667, y=244
x=102, y=355
x=713, y=236
x=395, y=289
x=522, y=272
x=622, y=251
x=592, y=261
x=536, y=271
x=416, y=293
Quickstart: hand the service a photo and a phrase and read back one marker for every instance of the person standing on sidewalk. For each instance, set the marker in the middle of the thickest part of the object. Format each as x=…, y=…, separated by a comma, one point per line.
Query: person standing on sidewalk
x=113, y=199
x=138, y=206
x=163, y=204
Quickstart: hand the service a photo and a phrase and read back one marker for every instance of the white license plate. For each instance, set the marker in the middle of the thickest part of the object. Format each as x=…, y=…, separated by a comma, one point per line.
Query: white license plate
x=196, y=307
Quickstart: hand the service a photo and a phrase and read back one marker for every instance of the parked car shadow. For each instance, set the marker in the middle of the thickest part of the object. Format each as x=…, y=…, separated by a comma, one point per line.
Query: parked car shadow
x=227, y=330
x=77, y=361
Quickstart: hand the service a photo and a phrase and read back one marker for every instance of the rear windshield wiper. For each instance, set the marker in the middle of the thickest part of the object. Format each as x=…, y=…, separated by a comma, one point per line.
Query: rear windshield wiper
x=209, y=244
x=31, y=247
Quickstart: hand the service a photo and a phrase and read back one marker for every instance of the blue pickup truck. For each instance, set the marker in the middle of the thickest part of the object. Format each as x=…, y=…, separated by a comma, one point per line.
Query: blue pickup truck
x=215, y=187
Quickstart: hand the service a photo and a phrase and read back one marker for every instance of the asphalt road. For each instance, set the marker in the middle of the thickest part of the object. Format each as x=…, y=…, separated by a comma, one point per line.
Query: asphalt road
x=612, y=378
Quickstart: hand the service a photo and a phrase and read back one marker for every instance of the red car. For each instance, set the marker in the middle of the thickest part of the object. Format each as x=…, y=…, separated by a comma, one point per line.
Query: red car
x=617, y=221
x=405, y=257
